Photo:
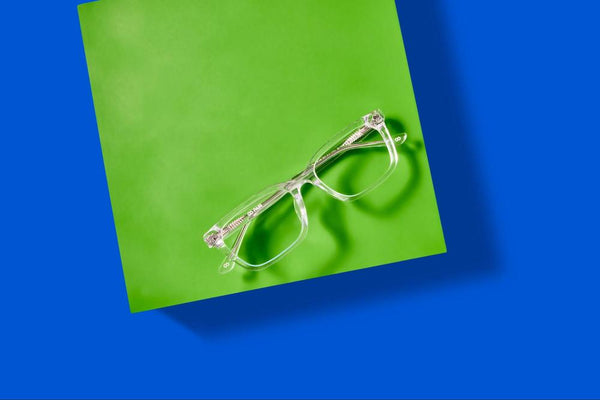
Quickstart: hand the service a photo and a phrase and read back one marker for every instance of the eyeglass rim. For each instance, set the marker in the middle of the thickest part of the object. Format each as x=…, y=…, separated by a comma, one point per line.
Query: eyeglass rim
x=293, y=187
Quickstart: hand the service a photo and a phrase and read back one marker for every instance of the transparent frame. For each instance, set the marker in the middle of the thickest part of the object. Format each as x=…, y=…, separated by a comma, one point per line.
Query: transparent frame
x=239, y=219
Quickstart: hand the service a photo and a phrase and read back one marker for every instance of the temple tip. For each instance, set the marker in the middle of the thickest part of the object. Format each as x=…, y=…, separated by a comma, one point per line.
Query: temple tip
x=400, y=138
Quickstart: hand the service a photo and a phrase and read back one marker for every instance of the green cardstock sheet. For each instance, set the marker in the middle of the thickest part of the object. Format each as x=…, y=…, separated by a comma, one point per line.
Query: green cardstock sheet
x=201, y=104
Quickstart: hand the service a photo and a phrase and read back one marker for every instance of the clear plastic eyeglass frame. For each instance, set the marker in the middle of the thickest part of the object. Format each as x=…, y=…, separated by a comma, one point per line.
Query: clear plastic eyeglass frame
x=354, y=137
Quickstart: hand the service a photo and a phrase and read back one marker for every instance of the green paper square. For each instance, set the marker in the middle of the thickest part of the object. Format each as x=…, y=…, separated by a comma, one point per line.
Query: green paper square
x=201, y=104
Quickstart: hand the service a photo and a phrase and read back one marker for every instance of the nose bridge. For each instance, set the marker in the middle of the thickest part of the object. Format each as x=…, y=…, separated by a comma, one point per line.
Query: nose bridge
x=295, y=185
x=295, y=190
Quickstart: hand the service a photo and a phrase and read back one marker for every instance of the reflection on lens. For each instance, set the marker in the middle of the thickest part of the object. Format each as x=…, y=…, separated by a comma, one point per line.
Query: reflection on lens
x=270, y=233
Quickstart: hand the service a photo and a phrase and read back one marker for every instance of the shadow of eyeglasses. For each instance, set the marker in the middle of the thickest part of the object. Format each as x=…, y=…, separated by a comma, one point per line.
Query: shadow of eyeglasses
x=260, y=243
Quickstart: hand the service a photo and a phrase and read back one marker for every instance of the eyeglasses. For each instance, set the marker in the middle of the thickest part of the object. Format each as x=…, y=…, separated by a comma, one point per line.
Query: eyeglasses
x=275, y=220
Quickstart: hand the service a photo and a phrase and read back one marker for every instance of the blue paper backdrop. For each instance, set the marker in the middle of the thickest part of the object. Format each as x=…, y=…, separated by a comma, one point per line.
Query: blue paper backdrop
x=508, y=95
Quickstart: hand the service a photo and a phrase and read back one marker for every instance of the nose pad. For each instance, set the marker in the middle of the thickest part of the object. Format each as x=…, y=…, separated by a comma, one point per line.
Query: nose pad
x=299, y=207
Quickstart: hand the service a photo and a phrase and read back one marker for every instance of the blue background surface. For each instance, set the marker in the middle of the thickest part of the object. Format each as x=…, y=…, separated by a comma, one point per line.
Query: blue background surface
x=508, y=98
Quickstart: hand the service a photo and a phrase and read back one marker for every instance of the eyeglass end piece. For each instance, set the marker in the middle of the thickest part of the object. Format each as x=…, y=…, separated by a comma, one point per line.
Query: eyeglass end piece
x=374, y=119
x=213, y=238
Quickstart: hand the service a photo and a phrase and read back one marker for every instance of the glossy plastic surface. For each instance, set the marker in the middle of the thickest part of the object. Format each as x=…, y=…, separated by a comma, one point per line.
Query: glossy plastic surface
x=370, y=132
